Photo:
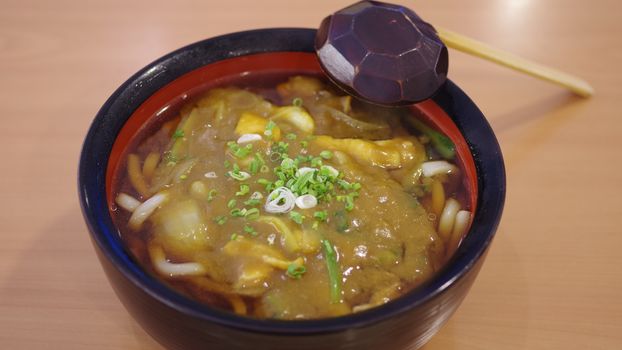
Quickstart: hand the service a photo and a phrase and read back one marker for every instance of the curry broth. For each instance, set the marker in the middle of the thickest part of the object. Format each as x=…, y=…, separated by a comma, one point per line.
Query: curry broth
x=372, y=235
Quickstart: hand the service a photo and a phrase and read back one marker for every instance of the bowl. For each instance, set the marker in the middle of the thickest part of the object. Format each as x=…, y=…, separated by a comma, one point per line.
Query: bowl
x=178, y=322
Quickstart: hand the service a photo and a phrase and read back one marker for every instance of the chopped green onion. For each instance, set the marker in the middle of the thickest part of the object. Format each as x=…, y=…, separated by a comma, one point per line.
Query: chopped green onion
x=256, y=164
x=266, y=183
x=316, y=162
x=178, y=134
x=234, y=236
x=244, y=189
x=242, y=152
x=211, y=194
x=252, y=213
x=287, y=164
x=344, y=184
x=321, y=215
x=252, y=202
x=296, y=271
x=297, y=102
x=250, y=230
x=238, y=175
x=334, y=275
x=253, y=167
x=349, y=203
x=326, y=154
x=269, y=128
x=220, y=220
x=296, y=217
x=239, y=151
x=237, y=212
x=304, y=144
x=274, y=156
x=303, y=159
x=231, y=203
x=299, y=186
x=290, y=136
x=280, y=147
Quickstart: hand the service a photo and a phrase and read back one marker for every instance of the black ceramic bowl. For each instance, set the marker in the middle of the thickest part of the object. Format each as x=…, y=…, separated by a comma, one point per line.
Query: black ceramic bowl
x=178, y=322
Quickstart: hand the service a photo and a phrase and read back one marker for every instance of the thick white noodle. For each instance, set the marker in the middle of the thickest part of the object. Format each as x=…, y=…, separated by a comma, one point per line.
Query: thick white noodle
x=143, y=211
x=281, y=194
x=245, y=138
x=306, y=201
x=127, y=202
x=165, y=267
x=437, y=167
x=462, y=223
x=463, y=218
x=448, y=217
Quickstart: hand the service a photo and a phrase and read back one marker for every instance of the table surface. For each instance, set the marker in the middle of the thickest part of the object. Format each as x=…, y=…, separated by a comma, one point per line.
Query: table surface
x=553, y=278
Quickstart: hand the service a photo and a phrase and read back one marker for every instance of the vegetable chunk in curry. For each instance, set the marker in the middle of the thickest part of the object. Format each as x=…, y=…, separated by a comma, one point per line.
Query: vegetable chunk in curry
x=296, y=203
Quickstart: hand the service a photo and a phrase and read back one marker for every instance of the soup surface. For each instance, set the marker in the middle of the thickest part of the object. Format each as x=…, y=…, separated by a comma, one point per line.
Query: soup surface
x=290, y=201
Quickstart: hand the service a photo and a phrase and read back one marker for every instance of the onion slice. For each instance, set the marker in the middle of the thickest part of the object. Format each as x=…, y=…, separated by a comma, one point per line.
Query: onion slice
x=281, y=200
x=306, y=201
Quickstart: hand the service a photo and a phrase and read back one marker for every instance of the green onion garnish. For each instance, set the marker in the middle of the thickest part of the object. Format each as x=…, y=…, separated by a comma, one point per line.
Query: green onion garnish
x=250, y=230
x=321, y=215
x=297, y=102
x=252, y=202
x=178, y=134
x=211, y=194
x=244, y=189
x=295, y=271
x=252, y=213
x=269, y=127
x=334, y=275
x=296, y=217
x=326, y=154
x=220, y=220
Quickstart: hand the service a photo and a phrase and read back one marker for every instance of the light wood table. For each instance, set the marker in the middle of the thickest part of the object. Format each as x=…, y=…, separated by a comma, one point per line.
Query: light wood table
x=553, y=279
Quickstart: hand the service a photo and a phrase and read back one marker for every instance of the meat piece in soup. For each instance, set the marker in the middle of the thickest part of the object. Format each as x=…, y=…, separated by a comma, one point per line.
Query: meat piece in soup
x=309, y=207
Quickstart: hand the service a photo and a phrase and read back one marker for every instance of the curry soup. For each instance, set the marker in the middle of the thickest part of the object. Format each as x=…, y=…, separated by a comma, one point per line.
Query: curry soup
x=290, y=201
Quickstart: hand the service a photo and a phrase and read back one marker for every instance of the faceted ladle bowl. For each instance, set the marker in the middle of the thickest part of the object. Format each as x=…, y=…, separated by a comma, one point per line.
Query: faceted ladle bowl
x=386, y=54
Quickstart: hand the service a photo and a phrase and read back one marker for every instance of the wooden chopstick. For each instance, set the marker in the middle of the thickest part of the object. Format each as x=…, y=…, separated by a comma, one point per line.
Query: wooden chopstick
x=504, y=58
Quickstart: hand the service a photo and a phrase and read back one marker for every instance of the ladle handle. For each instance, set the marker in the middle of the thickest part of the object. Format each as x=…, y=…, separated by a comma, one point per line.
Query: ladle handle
x=504, y=58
